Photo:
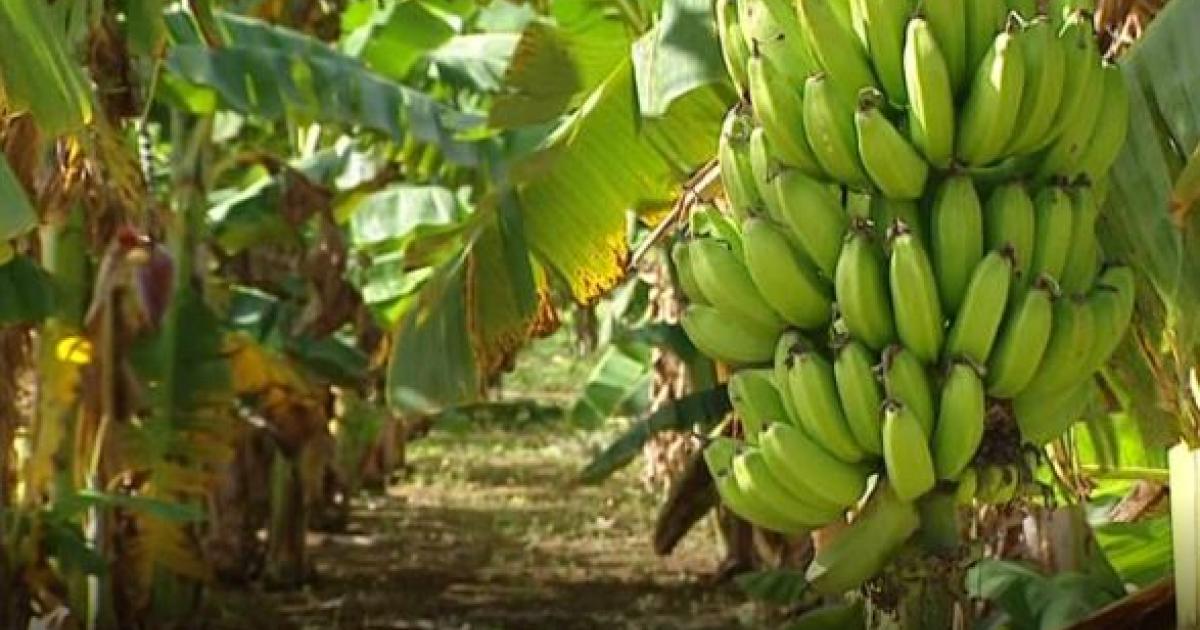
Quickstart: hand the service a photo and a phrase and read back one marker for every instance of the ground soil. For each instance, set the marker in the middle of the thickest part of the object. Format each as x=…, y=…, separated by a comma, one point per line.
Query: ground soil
x=482, y=531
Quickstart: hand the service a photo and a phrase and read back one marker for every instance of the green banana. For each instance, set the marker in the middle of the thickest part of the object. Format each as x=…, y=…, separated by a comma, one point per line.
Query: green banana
x=968, y=485
x=718, y=456
x=961, y=415
x=801, y=464
x=883, y=23
x=1065, y=157
x=1072, y=336
x=1112, y=308
x=1081, y=61
x=780, y=110
x=764, y=166
x=1045, y=74
x=956, y=227
x=1108, y=137
x=973, y=332
x=681, y=257
x=812, y=212
x=948, y=22
x=755, y=478
x=985, y=19
x=860, y=286
x=897, y=170
x=1009, y=221
x=829, y=126
x=1083, y=257
x=734, y=51
x=756, y=400
x=915, y=303
x=733, y=154
x=906, y=381
x=906, y=453
x=814, y=393
x=860, y=551
x=930, y=92
x=860, y=394
x=990, y=114
x=772, y=28
x=1042, y=417
x=1022, y=341
x=836, y=49
x=727, y=337
x=885, y=212
x=858, y=205
x=1052, y=232
x=790, y=342
x=709, y=222
x=726, y=284
x=785, y=281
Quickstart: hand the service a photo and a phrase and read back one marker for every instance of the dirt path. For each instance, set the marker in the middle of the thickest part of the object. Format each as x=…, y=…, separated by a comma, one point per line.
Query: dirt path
x=481, y=534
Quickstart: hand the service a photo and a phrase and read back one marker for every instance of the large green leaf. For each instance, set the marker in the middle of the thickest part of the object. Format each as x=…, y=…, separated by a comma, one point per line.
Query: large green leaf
x=1141, y=552
x=681, y=53
x=700, y=410
x=38, y=73
x=477, y=61
x=397, y=36
x=16, y=213
x=396, y=214
x=273, y=72
x=605, y=161
x=619, y=375
x=539, y=82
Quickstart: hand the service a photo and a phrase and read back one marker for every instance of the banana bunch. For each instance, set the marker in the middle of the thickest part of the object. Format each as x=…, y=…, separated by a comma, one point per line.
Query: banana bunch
x=907, y=258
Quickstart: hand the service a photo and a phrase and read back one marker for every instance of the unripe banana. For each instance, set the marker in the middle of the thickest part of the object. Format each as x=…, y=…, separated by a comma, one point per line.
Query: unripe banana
x=790, y=342
x=764, y=166
x=956, y=239
x=756, y=400
x=1071, y=338
x=1052, y=232
x=859, y=552
x=858, y=205
x=906, y=381
x=948, y=22
x=895, y=167
x=968, y=485
x=1108, y=137
x=718, y=456
x=814, y=393
x=930, y=91
x=780, y=110
x=771, y=27
x=1083, y=263
x=728, y=337
x=802, y=465
x=974, y=329
x=726, y=283
x=860, y=285
x=883, y=23
x=915, y=303
x=709, y=222
x=812, y=211
x=837, y=50
x=961, y=415
x=906, y=452
x=990, y=114
x=1022, y=341
x=733, y=154
x=1081, y=61
x=785, y=281
x=734, y=51
x=860, y=394
x=755, y=478
x=1065, y=157
x=681, y=257
x=985, y=19
x=1009, y=221
x=1045, y=70
x=829, y=126
x=1043, y=416
x=886, y=212
x=1112, y=305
